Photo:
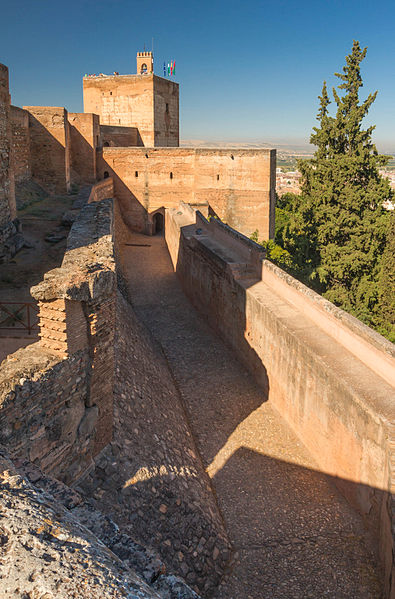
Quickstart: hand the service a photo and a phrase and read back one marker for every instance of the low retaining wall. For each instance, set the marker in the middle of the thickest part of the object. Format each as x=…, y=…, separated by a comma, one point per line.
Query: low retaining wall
x=103, y=190
x=328, y=374
x=56, y=396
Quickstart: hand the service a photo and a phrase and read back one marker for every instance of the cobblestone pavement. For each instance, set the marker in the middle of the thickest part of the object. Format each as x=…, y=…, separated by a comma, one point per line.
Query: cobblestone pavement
x=293, y=534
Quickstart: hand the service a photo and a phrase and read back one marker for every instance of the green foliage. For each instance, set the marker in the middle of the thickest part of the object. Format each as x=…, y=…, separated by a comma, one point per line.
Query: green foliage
x=274, y=251
x=336, y=229
x=385, y=314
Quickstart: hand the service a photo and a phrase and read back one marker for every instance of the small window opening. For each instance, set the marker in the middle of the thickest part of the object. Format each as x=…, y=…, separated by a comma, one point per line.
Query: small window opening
x=106, y=144
x=232, y=156
x=146, y=155
x=110, y=93
x=106, y=175
x=136, y=173
x=171, y=175
x=217, y=177
x=167, y=108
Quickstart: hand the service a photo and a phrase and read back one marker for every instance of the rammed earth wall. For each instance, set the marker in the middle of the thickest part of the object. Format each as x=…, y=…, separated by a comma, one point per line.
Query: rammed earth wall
x=312, y=359
x=56, y=396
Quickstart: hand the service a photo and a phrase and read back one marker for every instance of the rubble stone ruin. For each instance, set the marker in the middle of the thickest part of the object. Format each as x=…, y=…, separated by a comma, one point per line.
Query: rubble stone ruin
x=193, y=422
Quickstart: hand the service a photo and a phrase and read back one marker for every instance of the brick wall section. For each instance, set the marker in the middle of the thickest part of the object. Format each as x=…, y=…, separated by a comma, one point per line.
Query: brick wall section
x=50, y=147
x=238, y=184
x=20, y=144
x=341, y=408
x=56, y=396
x=84, y=139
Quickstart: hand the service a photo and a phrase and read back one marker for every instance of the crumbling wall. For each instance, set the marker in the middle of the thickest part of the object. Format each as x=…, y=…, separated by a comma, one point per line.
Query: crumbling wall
x=237, y=184
x=312, y=359
x=50, y=147
x=56, y=396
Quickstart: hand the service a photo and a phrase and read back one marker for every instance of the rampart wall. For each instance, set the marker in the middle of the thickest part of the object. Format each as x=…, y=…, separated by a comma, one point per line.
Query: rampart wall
x=56, y=396
x=50, y=147
x=327, y=374
x=239, y=185
x=84, y=139
x=20, y=144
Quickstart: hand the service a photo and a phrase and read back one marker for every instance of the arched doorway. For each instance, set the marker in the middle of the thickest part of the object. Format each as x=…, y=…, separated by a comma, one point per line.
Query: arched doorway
x=158, y=223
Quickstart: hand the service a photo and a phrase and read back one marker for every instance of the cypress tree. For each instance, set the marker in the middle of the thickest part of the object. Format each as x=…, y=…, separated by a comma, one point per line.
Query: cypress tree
x=338, y=229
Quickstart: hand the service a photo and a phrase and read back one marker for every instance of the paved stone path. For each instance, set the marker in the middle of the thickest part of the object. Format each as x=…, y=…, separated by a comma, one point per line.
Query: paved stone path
x=293, y=534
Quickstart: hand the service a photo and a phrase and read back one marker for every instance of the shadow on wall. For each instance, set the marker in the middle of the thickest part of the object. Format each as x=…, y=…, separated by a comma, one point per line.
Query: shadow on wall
x=311, y=395
x=50, y=159
x=82, y=158
x=132, y=211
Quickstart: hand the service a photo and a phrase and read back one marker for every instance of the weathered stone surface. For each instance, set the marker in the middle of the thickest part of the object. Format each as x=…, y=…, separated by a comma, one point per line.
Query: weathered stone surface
x=47, y=552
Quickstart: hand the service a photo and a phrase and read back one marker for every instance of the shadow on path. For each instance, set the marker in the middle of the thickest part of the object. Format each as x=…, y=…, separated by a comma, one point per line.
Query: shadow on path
x=294, y=535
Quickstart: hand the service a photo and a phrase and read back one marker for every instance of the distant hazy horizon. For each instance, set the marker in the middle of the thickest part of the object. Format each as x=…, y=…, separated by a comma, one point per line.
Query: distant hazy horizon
x=292, y=146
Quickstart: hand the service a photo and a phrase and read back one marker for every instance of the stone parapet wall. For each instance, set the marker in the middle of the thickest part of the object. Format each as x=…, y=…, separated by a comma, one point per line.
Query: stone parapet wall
x=237, y=184
x=56, y=396
x=297, y=346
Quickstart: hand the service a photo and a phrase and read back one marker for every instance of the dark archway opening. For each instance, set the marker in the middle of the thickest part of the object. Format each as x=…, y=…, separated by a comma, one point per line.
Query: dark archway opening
x=106, y=175
x=106, y=144
x=159, y=223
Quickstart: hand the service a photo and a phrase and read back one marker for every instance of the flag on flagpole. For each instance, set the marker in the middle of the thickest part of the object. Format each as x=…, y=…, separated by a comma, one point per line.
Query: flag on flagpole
x=164, y=69
x=171, y=68
x=168, y=68
x=174, y=67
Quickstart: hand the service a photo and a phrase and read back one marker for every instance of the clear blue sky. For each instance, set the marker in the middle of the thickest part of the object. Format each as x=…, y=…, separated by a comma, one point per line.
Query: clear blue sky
x=248, y=71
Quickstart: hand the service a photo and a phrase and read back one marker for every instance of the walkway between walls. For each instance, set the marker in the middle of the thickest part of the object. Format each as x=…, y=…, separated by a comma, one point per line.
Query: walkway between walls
x=294, y=536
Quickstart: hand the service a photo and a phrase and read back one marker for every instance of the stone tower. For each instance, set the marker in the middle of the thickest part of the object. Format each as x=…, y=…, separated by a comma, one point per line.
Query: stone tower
x=145, y=101
x=145, y=63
